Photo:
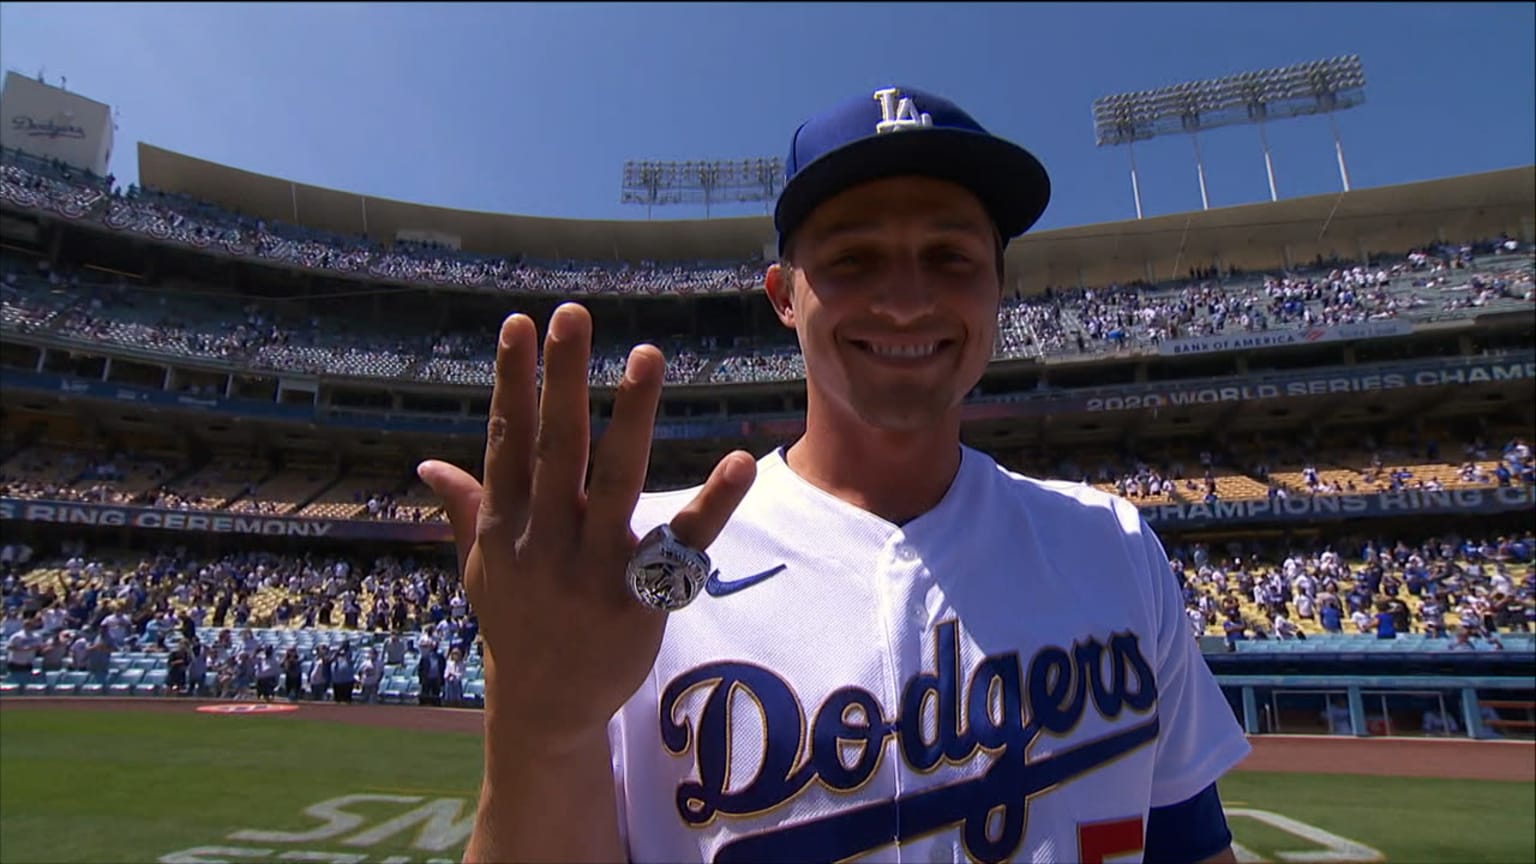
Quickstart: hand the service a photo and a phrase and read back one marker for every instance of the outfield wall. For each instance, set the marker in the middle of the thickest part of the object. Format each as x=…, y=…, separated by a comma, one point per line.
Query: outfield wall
x=1363, y=705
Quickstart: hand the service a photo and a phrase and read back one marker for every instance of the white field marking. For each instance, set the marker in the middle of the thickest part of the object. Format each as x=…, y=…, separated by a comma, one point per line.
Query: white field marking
x=441, y=827
x=1336, y=849
x=336, y=821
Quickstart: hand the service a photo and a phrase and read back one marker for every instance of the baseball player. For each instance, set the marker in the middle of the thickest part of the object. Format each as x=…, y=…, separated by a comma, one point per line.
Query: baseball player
x=893, y=649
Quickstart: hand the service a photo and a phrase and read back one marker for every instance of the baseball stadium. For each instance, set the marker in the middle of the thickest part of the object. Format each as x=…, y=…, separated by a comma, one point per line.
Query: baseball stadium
x=216, y=385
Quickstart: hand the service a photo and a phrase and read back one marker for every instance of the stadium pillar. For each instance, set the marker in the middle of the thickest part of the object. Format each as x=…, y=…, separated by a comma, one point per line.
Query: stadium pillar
x=55, y=246
x=1205, y=200
x=1287, y=257
x=106, y=369
x=1471, y=713
x=1250, y=712
x=1365, y=254
x=1527, y=229
x=1357, y=712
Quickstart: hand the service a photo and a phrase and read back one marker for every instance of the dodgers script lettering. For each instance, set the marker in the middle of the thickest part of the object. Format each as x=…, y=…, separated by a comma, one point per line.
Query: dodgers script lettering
x=1005, y=708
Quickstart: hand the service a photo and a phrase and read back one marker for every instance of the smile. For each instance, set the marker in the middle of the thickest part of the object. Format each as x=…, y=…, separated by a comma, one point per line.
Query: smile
x=901, y=351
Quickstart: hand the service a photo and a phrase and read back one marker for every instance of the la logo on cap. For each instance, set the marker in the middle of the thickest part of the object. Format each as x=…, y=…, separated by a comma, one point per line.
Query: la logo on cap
x=898, y=112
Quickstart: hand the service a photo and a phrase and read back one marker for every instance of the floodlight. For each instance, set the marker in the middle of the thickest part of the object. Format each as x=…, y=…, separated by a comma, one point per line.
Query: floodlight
x=1254, y=96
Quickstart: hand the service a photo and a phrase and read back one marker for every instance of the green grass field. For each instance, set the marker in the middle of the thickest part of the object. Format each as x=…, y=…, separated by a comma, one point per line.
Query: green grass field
x=78, y=786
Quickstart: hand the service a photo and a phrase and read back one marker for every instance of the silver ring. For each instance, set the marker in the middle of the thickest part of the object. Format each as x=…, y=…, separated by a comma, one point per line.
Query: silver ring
x=665, y=573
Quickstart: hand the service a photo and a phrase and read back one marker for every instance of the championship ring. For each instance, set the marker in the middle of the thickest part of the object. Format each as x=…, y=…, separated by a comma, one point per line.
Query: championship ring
x=664, y=573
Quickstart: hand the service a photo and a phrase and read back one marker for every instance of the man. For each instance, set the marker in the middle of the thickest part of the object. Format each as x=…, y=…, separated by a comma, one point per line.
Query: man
x=343, y=675
x=22, y=648
x=320, y=673
x=369, y=673
x=429, y=674
x=1017, y=649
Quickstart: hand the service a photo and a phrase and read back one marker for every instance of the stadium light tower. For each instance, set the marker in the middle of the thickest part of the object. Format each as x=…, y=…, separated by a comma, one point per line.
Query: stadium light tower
x=1318, y=87
x=735, y=181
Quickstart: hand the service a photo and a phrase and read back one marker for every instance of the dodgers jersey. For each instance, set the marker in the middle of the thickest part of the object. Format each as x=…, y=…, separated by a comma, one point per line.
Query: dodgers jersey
x=1009, y=676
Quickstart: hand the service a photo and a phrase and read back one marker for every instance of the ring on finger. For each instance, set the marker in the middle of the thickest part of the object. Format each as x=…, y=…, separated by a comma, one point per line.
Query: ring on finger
x=665, y=573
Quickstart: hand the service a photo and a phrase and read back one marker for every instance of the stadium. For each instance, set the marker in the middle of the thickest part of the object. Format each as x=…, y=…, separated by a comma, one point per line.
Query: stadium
x=216, y=386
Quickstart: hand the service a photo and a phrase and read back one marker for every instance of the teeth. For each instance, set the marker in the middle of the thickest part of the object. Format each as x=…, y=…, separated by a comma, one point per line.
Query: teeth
x=904, y=350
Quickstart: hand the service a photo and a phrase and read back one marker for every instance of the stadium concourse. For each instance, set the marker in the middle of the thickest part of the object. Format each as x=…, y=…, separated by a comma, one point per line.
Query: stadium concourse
x=211, y=420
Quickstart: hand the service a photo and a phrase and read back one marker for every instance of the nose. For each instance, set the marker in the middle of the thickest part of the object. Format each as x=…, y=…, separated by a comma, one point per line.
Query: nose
x=905, y=294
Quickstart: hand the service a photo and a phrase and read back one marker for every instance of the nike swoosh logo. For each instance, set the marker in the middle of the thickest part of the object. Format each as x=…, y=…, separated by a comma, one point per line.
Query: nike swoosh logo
x=714, y=587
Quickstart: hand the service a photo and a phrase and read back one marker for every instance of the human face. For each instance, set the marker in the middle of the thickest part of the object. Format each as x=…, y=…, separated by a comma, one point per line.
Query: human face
x=894, y=295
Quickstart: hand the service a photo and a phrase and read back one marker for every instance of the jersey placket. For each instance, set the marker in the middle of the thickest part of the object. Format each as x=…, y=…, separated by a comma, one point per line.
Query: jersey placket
x=908, y=601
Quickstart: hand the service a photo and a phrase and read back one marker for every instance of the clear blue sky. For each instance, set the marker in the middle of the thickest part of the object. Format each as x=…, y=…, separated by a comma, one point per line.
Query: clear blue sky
x=533, y=109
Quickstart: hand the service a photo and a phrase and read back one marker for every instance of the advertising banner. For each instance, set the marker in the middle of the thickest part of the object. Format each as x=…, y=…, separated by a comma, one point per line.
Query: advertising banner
x=1281, y=338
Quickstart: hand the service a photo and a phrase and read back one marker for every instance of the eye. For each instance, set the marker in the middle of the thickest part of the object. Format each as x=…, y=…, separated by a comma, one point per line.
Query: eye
x=953, y=257
x=849, y=259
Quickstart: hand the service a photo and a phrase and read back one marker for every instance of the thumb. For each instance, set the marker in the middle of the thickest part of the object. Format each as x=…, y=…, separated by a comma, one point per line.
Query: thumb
x=460, y=494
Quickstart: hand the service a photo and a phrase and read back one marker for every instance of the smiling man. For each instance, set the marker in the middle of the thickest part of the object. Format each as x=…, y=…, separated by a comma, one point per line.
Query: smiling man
x=907, y=653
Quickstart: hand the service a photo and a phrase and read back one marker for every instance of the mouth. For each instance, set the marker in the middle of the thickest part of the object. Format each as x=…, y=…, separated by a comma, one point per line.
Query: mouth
x=903, y=354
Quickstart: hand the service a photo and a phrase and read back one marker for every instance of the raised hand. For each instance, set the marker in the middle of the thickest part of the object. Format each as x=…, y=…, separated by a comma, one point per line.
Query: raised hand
x=543, y=552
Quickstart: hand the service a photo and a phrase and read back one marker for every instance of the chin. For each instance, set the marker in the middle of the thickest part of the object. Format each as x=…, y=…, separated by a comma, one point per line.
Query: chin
x=902, y=414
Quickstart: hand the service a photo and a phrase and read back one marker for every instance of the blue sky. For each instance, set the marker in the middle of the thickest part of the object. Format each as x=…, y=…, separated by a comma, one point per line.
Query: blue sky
x=533, y=109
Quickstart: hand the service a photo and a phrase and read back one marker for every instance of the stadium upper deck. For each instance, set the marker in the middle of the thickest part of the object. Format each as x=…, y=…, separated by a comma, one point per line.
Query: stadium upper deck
x=491, y=248
x=205, y=322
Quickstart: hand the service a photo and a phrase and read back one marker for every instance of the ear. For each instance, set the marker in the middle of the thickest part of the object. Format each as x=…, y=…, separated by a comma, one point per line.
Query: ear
x=778, y=283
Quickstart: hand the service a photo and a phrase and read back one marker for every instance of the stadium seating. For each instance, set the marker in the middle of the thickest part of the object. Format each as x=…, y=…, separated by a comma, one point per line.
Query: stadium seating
x=1420, y=285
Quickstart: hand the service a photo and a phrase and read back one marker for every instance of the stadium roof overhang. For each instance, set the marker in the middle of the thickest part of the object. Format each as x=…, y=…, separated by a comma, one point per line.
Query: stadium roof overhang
x=1252, y=236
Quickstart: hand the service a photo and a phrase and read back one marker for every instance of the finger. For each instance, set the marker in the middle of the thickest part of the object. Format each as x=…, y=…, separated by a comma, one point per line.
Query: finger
x=509, y=428
x=460, y=494
x=624, y=453
x=563, y=439
x=702, y=520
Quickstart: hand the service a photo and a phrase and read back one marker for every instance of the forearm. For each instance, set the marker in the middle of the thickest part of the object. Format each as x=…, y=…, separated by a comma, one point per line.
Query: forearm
x=545, y=804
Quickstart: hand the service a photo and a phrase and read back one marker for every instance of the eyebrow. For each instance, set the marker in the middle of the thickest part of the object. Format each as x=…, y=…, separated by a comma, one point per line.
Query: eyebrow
x=943, y=225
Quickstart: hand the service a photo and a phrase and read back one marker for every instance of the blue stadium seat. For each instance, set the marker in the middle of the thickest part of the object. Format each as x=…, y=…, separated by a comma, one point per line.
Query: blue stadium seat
x=94, y=688
x=151, y=684
x=124, y=683
x=474, y=693
x=41, y=682
x=69, y=683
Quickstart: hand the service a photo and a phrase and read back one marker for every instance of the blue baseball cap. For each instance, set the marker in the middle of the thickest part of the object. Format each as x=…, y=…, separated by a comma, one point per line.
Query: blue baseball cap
x=905, y=131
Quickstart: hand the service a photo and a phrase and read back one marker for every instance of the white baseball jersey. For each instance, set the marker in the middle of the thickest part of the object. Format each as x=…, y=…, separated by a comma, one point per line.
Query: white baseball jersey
x=1008, y=676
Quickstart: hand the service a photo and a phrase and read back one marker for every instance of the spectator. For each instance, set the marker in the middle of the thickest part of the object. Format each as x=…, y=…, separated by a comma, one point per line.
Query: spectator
x=453, y=678
x=430, y=671
x=369, y=674
x=268, y=670
x=343, y=675
x=23, y=647
x=320, y=674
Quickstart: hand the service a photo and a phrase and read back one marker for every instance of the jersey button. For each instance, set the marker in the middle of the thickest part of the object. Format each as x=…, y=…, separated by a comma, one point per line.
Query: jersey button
x=905, y=553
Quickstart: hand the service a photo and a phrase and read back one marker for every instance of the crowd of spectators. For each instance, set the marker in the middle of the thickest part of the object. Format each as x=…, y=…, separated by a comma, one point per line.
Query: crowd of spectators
x=1139, y=315
x=32, y=182
x=1433, y=280
x=64, y=474
x=165, y=603
x=1446, y=587
x=1466, y=590
x=1367, y=467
